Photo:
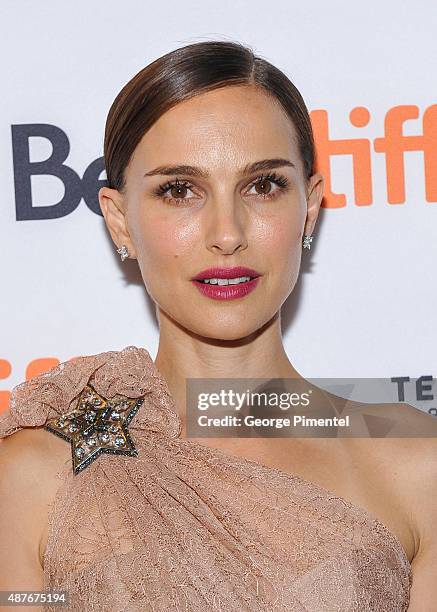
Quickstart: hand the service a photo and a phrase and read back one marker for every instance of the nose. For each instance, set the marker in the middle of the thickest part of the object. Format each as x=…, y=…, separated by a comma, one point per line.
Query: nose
x=226, y=227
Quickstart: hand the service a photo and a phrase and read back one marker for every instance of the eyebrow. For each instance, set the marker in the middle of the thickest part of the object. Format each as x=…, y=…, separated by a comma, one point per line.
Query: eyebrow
x=264, y=164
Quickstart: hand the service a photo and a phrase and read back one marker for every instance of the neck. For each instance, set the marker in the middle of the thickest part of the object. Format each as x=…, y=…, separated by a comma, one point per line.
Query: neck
x=182, y=354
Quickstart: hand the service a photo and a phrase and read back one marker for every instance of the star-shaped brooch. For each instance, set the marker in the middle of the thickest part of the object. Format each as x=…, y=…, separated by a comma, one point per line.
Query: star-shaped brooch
x=97, y=425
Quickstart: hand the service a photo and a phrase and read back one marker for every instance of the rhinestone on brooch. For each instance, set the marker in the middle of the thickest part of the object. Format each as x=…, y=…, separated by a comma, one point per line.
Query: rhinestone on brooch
x=97, y=425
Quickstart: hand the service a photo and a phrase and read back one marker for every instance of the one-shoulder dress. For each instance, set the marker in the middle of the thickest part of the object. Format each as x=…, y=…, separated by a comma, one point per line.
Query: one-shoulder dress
x=178, y=526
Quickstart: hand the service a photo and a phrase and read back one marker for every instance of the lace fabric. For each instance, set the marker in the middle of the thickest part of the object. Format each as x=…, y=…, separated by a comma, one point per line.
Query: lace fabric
x=185, y=527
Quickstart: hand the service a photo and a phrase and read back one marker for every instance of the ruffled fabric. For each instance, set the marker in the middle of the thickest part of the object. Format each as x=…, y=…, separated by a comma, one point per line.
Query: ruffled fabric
x=130, y=372
x=188, y=528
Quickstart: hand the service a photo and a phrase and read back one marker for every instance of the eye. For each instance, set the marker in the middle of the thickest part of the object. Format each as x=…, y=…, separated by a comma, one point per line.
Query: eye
x=178, y=190
x=263, y=185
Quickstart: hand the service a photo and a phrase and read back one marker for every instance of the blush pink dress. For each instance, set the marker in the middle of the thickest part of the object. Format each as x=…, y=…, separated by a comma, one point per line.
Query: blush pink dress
x=187, y=528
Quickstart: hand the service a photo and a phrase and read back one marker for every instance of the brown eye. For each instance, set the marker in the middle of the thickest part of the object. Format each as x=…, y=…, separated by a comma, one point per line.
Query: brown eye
x=261, y=188
x=178, y=191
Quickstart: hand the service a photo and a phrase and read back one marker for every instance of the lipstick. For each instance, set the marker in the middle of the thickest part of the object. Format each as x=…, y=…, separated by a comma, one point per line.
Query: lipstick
x=226, y=283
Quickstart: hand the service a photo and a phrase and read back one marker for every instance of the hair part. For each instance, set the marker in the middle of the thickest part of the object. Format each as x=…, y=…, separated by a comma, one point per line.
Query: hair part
x=184, y=73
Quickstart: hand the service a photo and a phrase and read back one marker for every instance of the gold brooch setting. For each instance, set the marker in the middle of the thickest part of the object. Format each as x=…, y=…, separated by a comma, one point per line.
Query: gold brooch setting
x=97, y=425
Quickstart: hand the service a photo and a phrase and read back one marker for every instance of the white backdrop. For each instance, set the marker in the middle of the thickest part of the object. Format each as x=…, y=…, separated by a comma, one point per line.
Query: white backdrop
x=365, y=302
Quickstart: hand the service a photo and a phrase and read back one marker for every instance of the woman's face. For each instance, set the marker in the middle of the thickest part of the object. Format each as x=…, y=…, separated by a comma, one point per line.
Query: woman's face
x=225, y=217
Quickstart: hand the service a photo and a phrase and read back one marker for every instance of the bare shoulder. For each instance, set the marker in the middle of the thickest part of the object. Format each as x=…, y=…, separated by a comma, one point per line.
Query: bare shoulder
x=415, y=458
x=394, y=454
x=30, y=460
x=407, y=447
x=31, y=451
x=411, y=448
x=394, y=420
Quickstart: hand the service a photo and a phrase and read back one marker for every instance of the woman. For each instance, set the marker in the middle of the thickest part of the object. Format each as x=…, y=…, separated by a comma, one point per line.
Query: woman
x=209, y=155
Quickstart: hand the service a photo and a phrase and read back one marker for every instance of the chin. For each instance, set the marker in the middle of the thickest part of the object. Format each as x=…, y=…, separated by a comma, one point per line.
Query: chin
x=226, y=330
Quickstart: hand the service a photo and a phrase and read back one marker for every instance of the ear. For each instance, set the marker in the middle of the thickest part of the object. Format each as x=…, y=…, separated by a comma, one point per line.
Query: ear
x=314, y=200
x=113, y=209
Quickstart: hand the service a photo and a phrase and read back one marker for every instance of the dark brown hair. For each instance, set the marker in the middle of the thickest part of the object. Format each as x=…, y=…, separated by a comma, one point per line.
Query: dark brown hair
x=186, y=72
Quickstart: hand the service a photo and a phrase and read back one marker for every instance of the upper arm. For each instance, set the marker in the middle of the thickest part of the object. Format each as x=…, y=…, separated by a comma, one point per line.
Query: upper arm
x=423, y=594
x=25, y=493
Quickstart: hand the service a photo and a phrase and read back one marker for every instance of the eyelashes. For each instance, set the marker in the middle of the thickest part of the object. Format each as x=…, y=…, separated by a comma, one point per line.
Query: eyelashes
x=280, y=181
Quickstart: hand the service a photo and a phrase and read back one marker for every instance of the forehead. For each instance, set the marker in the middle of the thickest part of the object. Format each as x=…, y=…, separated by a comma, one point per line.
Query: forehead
x=219, y=129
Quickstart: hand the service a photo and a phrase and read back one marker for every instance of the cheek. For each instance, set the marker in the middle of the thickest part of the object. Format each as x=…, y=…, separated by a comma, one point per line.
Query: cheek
x=160, y=244
x=281, y=242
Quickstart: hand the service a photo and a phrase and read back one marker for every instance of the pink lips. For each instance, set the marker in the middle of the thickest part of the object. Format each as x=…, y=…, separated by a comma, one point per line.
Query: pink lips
x=227, y=292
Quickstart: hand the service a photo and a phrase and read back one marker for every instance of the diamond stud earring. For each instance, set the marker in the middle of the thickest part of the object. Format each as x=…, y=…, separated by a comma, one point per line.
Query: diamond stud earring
x=307, y=242
x=123, y=252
